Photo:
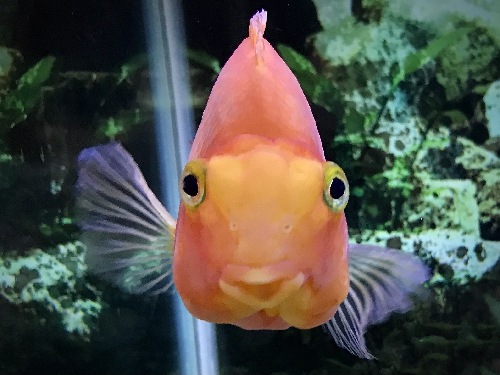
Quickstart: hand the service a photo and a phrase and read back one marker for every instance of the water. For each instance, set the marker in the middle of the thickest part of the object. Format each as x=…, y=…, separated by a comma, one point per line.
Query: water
x=405, y=95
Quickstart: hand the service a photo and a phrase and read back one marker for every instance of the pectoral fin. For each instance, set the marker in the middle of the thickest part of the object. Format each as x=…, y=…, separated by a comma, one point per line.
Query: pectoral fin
x=382, y=281
x=128, y=233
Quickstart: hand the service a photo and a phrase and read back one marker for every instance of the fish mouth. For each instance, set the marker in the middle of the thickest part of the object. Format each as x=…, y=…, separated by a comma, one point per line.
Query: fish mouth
x=262, y=288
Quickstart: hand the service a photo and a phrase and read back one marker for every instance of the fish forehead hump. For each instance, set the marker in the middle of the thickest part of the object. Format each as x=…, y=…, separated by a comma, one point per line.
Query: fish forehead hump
x=260, y=97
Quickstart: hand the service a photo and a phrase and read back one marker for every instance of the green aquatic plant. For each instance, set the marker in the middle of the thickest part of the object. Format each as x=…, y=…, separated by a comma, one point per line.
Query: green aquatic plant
x=6, y=62
x=19, y=102
x=423, y=56
x=320, y=90
x=122, y=122
x=131, y=66
x=323, y=92
x=204, y=59
x=97, y=105
x=416, y=61
x=397, y=177
x=125, y=119
x=362, y=139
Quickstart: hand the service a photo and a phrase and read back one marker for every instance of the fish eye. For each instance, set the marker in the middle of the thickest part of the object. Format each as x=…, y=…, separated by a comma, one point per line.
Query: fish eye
x=337, y=188
x=336, y=191
x=192, y=183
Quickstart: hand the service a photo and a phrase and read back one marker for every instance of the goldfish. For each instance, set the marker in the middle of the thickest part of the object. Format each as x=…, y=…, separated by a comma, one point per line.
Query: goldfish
x=261, y=238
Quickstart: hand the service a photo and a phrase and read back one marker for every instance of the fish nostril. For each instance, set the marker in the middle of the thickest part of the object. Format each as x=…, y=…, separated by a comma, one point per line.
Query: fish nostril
x=233, y=226
x=287, y=228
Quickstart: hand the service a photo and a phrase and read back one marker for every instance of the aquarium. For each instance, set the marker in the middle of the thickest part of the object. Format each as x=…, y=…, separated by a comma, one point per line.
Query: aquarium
x=100, y=102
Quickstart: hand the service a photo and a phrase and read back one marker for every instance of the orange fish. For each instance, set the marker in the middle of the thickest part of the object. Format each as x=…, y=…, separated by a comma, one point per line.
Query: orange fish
x=261, y=238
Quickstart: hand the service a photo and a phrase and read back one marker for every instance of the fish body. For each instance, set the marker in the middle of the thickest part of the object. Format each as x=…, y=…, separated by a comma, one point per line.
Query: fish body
x=263, y=246
x=261, y=238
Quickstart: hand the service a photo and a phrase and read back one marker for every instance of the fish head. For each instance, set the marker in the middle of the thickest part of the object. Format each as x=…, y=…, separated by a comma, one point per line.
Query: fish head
x=260, y=241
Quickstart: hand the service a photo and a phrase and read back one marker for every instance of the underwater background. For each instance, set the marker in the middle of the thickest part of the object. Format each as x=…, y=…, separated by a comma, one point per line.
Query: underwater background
x=406, y=95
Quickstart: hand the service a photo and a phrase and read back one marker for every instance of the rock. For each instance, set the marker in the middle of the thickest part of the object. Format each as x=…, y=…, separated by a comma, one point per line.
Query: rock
x=468, y=63
x=331, y=13
x=446, y=204
x=431, y=179
x=53, y=282
x=489, y=203
x=492, y=108
x=467, y=255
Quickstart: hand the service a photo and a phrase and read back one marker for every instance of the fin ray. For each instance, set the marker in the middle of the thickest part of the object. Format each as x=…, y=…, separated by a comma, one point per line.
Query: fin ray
x=103, y=197
x=118, y=212
x=111, y=228
x=382, y=282
x=128, y=233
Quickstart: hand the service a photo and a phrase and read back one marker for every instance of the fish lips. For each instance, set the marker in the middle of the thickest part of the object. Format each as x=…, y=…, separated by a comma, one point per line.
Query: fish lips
x=262, y=288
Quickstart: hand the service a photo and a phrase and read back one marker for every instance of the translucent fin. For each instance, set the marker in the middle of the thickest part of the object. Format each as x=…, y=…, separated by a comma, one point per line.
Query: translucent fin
x=256, y=32
x=381, y=282
x=128, y=233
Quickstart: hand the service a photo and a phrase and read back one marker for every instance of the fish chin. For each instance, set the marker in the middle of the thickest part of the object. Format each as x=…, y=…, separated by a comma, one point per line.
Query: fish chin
x=260, y=320
x=280, y=293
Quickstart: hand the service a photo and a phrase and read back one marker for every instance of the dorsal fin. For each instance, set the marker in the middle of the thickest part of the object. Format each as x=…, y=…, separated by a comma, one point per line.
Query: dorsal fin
x=256, y=32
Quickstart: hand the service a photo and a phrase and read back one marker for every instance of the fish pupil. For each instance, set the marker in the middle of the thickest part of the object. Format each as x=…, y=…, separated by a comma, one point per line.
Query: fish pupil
x=190, y=185
x=337, y=188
